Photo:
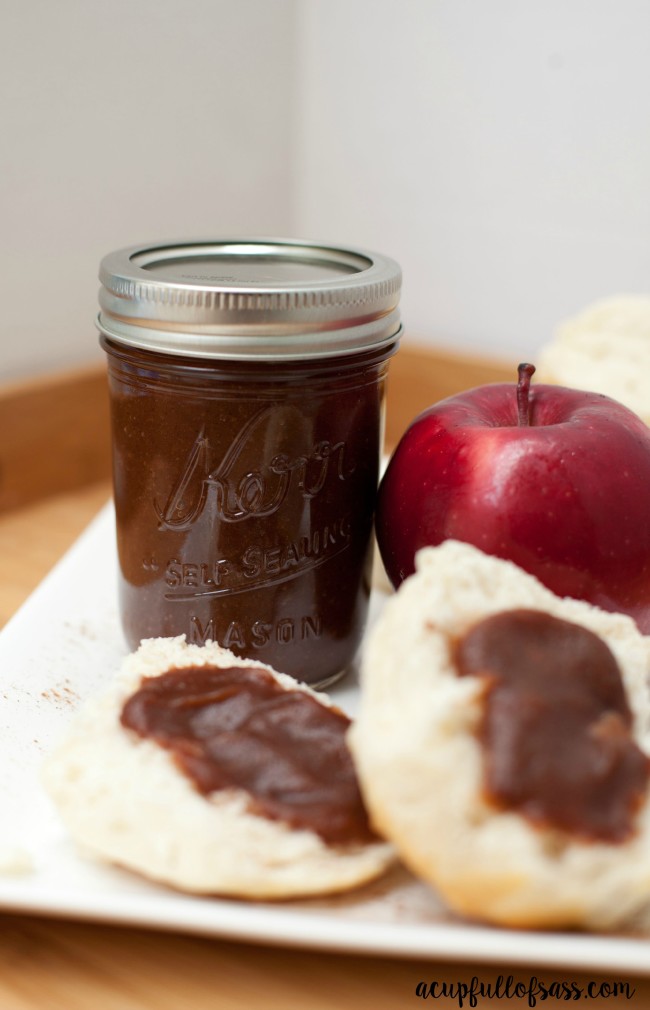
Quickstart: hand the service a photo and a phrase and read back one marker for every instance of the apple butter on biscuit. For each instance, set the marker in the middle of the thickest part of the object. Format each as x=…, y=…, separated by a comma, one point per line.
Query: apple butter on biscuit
x=556, y=728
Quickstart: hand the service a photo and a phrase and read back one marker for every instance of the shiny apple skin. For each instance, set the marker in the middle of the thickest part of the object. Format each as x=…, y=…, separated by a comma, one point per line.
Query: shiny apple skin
x=567, y=498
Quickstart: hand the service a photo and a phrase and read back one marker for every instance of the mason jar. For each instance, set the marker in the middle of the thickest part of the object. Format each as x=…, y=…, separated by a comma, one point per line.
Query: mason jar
x=246, y=385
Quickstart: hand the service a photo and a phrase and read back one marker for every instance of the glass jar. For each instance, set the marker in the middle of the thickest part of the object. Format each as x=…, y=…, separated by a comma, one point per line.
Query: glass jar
x=246, y=383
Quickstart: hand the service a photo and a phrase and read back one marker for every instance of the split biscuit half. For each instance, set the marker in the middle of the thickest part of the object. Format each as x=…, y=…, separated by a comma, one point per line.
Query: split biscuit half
x=422, y=765
x=124, y=799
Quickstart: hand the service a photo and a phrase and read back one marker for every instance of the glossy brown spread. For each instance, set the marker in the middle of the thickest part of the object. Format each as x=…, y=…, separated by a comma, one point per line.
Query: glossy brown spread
x=244, y=499
x=556, y=728
x=237, y=728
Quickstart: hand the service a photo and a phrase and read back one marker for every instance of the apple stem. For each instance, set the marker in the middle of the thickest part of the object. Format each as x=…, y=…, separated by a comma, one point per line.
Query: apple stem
x=525, y=372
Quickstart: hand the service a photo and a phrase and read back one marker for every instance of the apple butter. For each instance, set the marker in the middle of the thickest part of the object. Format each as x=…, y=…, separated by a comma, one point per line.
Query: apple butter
x=246, y=384
x=237, y=728
x=556, y=729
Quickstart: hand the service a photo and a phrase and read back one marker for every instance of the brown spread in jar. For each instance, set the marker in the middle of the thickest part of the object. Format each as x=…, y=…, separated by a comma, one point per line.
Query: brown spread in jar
x=556, y=728
x=237, y=728
x=246, y=382
x=244, y=499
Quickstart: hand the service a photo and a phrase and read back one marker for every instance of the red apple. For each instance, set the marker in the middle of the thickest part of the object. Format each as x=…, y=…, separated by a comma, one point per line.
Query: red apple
x=555, y=479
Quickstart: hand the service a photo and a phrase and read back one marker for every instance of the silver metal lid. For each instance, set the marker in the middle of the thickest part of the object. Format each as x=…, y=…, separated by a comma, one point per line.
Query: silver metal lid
x=260, y=299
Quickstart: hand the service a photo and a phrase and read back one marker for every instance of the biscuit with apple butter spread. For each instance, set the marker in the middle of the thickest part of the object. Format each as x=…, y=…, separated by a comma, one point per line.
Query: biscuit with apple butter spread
x=216, y=775
x=502, y=744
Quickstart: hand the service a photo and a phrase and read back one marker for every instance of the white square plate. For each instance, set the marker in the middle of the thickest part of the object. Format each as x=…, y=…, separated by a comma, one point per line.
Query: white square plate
x=63, y=645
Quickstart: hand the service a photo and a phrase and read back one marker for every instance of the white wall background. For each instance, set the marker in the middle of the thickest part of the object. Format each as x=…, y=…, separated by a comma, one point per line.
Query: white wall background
x=500, y=149
x=124, y=121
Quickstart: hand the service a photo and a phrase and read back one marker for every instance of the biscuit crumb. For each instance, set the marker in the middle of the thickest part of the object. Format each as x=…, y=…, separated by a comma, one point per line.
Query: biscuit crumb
x=15, y=860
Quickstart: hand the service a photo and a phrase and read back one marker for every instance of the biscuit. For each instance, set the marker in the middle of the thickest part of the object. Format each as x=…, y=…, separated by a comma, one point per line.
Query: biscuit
x=420, y=760
x=606, y=349
x=123, y=799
